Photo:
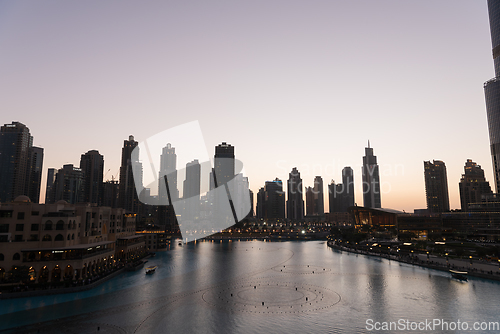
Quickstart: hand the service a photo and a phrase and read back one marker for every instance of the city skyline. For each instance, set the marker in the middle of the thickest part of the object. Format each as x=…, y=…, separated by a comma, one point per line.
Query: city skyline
x=388, y=65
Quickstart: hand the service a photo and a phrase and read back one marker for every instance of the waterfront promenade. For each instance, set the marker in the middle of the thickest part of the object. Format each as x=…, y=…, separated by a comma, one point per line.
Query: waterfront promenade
x=473, y=267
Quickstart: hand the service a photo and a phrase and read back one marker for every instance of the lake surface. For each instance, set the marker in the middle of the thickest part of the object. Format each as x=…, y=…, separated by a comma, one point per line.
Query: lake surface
x=260, y=287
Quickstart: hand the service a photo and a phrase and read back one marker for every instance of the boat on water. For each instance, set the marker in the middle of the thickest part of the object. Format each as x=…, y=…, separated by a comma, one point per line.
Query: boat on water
x=151, y=270
x=460, y=275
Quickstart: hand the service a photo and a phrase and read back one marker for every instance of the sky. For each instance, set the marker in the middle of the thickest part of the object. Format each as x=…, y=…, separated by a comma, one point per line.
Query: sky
x=289, y=83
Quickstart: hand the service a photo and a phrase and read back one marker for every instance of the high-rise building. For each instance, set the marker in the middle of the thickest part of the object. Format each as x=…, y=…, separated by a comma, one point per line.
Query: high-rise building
x=271, y=201
x=436, y=187
x=128, y=198
x=35, y=173
x=261, y=203
x=50, y=190
x=295, y=200
x=319, y=197
x=341, y=196
x=472, y=185
x=69, y=184
x=92, y=166
x=191, y=190
x=192, y=186
x=20, y=163
x=224, y=164
x=110, y=194
x=168, y=168
x=371, y=180
x=310, y=202
x=492, y=91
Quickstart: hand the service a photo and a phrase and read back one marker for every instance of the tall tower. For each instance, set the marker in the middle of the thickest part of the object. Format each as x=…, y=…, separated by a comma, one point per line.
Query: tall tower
x=348, y=188
x=92, y=166
x=472, y=185
x=20, y=163
x=127, y=196
x=295, y=201
x=436, y=187
x=69, y=184
x=274, y=200
x=319, y=197
x=371, y=180
x=492, y=91
x=35, y=173
x=168, y=167
x=50, y=190
x=224, y=163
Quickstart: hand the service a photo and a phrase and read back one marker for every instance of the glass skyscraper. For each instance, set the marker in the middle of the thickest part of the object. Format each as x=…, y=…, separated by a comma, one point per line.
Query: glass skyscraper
x=492, y=91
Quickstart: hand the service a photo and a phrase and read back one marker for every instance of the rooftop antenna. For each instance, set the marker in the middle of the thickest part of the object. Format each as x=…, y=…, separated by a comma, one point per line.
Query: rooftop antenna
x=368, y=143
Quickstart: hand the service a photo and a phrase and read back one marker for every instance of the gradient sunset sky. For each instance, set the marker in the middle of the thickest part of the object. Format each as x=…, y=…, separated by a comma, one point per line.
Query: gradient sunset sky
x=289, y=83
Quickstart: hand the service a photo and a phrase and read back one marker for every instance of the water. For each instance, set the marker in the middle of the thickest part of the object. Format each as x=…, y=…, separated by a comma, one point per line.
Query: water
x=256, y=287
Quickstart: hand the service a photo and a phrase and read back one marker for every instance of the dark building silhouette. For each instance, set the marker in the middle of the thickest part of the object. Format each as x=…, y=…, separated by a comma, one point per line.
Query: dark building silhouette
x=341, y=196
x=310, y=202
x=473, y=186
x=261, y=199
x=50, y=190
x=69, y=184
x=110, y=193
x=35, y=173
x=224, y=164
x=92, y=166
x=295, y=200
x=128, y=197
x=319, y=197
x=20, y=163
x=492, y=91
x=371, y=180
x=436, y=187
x=168, y=167
x=271, y=201
x=192, y=185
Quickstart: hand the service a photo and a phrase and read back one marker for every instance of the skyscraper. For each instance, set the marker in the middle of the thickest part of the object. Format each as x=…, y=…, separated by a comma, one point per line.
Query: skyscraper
x=69, y=184
x=295, y=200
x=310, y=202
x=492, y=91
x=20, y=163
x=319, y=197
x=224, y=164
x=341, y=196
x=191, y=186
x=127, y=196
x=472, y=185
x=371, y=180
x=271, y=201
x=191, y=190
x=168, y=167
x=92, y=166
x=50, y=190
x=35, y=173
x=436, y=187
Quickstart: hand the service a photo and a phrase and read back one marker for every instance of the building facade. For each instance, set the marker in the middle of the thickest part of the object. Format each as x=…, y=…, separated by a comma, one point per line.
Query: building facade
x=473, y=185
x=20, y=163
x=295, y=199
x=92, y=166
x=492, y=91
x=436, y=187
x=128, y=198
x=64, y=242
x=371, y=180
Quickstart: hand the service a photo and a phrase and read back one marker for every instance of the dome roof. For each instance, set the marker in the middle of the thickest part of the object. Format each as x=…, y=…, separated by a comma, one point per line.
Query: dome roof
x=61, y=201
x=22, y=199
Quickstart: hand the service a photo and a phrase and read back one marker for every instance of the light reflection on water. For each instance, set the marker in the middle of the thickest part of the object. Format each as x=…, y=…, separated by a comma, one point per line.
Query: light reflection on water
x=190, y=292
